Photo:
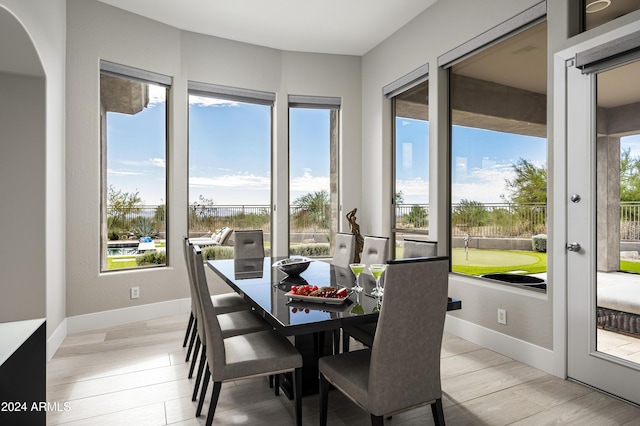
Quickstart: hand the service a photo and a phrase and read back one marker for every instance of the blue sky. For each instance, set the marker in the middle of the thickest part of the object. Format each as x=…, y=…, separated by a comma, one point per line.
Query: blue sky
x=230, y=151
x=482, y=161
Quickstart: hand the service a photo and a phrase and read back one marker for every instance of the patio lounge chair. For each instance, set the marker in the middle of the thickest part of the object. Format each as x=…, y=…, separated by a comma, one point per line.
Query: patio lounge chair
x=217, y=239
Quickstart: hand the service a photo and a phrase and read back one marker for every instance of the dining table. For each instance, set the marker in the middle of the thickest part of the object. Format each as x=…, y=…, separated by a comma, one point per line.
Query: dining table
x=312, y=326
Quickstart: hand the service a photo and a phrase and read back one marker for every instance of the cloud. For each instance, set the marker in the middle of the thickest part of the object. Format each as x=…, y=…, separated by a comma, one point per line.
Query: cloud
x=406, y=123
x=113, y=172
x=157, y=95
x=244, y=181
x=308, y=183
x=413, y=190
x=483, y=185
x=158, y=162
x=205, y=101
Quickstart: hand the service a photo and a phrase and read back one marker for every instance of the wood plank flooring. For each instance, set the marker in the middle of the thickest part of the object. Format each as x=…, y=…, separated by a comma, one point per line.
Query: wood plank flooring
x=136, y=375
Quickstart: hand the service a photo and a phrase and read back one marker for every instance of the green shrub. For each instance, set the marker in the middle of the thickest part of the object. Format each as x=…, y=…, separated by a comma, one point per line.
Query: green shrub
x=539, y=243
x=310, y=250
x=217, y=252
x=154, y=257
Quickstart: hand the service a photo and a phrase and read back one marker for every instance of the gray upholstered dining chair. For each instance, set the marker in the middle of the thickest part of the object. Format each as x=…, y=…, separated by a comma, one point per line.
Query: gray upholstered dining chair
x=419, y=248
x=402, y=368
x=248, y=244
x=262, y=353
x=364, y=332
x=343, y=249
x=374, y=250
x=224, y=303
x=231, y=323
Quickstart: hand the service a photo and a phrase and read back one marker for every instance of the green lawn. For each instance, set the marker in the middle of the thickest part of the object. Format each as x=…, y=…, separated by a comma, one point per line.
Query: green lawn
x=481, y=261
x=628, y=266
x=121, y=262
x=487, y=261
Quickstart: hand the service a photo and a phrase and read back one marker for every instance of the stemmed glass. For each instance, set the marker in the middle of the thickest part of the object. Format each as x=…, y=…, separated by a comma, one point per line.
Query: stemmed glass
x=377, y=269
x=357, y=269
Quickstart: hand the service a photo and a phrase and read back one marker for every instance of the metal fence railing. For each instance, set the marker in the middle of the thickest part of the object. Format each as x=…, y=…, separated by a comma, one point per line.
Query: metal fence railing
x=497, y=220
x=493, y=220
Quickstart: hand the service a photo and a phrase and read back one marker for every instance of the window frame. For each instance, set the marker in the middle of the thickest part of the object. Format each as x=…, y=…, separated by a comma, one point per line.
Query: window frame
x=121, y=71
x=242, y=95
x=333, y=104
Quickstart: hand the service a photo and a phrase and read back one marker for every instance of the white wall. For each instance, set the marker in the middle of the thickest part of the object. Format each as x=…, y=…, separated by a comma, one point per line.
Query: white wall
x=44, y=21
x=97, y=31
x=22, y=190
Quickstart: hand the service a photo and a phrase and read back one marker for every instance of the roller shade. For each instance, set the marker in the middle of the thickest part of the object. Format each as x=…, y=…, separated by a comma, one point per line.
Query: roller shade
x=123, y=71
x=610, y=55
x=406, y=82
x=515, y=25
x=231, y=93
x=316, y=102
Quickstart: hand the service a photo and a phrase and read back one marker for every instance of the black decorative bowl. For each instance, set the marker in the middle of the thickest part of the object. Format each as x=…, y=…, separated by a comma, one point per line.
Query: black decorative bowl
x=293, y=266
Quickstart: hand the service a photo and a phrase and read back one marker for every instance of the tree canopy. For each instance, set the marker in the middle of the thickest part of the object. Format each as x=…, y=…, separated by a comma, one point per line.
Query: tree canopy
x=529, y=184
x=629, y=176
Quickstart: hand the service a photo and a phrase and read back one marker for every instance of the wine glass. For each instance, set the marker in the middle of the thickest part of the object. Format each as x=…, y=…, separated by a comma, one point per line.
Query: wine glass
x=377, y=269
x=357, y=269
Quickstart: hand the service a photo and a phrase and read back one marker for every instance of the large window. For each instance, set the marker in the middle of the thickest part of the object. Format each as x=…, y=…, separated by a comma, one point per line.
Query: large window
x=411, y=165
x=498, y=159
x=229, y=163
x=134, y=152
x=313, y=176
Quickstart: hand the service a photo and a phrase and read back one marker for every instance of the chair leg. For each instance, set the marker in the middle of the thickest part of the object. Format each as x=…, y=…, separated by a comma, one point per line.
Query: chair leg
x=377, y=420
x=193, y=338
x=214, y=402
x=203, y=361
x=324, y=399
x=195, y=356
x=276, y=384
x=203, y=391
x=297, y=391
x=189, y=329
x=345, y=342
x=438, y=412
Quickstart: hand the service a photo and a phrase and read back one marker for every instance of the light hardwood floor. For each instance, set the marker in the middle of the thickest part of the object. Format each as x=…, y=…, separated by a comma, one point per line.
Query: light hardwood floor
x=136, y=375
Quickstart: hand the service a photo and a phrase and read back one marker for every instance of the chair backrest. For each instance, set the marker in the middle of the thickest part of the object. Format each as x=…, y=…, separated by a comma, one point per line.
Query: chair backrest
x=224, y=236
x=375, y=250
x=343, y=249
x=188, y=250
x=248, y=244
x=419, y=248
x=405, y=356
x=196, y=304
x=209, y=320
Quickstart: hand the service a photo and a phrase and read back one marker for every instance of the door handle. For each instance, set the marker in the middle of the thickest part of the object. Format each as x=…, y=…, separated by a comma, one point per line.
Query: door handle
x=573, y=247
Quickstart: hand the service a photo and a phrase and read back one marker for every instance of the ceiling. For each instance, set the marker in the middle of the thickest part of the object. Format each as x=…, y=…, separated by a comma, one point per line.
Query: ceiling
x=347, y=27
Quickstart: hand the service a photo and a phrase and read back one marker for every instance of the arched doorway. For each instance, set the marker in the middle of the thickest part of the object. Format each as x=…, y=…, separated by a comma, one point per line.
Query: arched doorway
x=22, y=174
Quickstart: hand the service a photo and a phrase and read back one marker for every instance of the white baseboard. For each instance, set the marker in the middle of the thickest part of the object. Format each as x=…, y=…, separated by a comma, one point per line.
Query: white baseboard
x=104, y=319
x=519, y=350
x=56, y=339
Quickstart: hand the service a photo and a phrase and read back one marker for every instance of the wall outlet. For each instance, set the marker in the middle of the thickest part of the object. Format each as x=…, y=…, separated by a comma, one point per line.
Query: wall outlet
x=135, y=292
x=502, y=316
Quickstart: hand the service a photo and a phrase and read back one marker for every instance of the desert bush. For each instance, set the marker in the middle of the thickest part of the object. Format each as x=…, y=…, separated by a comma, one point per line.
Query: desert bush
x=310, y=250
x=539, y=243
x=154, y=257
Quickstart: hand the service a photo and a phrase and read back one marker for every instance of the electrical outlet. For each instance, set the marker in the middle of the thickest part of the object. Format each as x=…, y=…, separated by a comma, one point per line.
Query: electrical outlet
x=135, y=292
x=502, y=316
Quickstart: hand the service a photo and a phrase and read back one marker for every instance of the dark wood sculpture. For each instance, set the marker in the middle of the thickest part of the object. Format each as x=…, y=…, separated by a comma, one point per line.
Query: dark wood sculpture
x=355, y=229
